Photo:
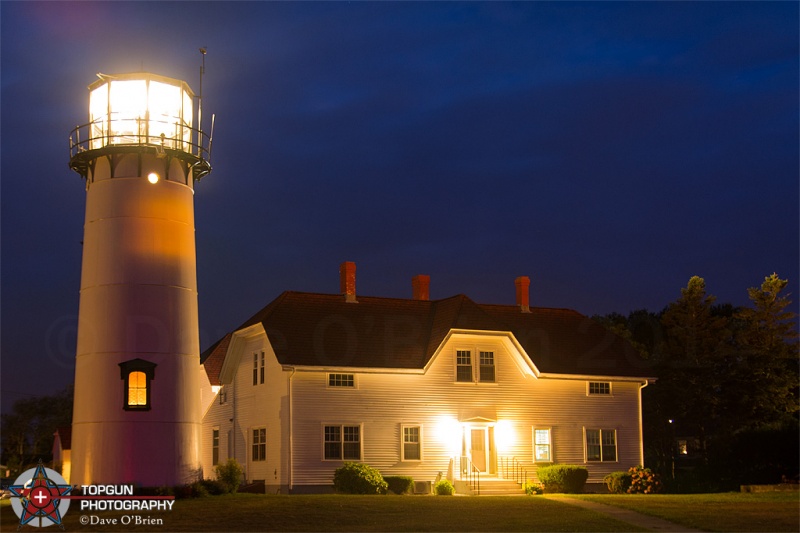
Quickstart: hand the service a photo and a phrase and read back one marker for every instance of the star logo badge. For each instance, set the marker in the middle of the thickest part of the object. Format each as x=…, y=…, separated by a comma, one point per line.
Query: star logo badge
x=40, y=493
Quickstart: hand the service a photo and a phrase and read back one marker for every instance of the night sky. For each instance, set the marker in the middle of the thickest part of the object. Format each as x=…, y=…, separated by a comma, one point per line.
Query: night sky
x=610, y=151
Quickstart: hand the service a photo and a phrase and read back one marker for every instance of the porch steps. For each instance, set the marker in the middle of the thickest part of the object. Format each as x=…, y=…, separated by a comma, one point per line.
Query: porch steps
x=500, y=487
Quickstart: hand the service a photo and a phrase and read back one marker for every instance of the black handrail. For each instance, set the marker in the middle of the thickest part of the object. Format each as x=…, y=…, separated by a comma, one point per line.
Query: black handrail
x=472, y=473
x=513, y=469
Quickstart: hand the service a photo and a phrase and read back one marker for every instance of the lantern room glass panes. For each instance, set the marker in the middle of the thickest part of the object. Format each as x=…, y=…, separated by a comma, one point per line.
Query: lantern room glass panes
x=164, y=105
x=141, y=111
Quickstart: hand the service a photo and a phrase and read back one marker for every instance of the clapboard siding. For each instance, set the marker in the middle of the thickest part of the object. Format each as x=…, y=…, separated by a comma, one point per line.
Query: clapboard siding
x=384, y=400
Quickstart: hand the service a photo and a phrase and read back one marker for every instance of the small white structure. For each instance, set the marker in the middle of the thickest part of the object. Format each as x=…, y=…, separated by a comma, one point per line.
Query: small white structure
x=419, y=388
x=136, y=413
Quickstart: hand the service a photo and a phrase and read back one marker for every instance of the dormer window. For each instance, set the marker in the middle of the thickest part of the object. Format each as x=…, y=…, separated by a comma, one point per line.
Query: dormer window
x=137, y=375
x=470, y=369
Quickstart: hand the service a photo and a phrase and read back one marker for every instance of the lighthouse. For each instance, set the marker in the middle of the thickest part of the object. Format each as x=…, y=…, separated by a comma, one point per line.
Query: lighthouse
x=136, y=415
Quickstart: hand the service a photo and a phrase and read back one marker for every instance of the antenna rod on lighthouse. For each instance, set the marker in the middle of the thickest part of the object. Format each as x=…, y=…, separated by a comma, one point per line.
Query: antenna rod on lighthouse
x=200, y=105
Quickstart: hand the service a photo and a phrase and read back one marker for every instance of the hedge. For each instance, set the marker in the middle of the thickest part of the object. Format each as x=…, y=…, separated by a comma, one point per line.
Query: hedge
x=563, y=478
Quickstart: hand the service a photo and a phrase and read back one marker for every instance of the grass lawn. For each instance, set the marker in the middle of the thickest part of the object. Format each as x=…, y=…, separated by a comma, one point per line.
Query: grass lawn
x=246, y=512
x=732, y=511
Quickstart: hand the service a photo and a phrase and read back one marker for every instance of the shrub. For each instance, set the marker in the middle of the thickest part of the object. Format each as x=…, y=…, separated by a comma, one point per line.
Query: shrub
x=230, y=474
x=444, y=488
x=532, y=489
x=215, y=487
x=643, y=481
x=562, y=478
x=400, y=484
x=618, y=482
x=358, y=478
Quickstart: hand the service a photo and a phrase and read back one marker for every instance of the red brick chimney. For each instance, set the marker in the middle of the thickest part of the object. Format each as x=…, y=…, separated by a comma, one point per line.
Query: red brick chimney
x=421, y=287
x=523, y=284
x=347, y=281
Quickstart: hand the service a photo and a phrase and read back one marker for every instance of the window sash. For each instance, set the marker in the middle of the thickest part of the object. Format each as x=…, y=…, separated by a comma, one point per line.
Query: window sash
x=341, y=380
x=259, y=444
x=214, y=446
x=542, y=446
x=412, y=447
x=463, y=365
x=486, y=360
x=137, y=388
x=262, y=368
x=602, y=388
x=342, y=443
x=601, y=445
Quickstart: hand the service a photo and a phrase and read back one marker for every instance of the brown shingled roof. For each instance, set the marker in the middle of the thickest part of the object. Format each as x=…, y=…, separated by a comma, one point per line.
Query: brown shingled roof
x=309, y=329
x=213, y=358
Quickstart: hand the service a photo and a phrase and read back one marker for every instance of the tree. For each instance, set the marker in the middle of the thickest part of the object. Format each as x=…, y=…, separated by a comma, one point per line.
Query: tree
x=697, y=343
x=27, y=431
x=768, y=356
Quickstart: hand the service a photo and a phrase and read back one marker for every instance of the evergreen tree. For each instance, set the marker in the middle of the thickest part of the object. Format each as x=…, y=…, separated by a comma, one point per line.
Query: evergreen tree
x=768, y=358
x=697, y=343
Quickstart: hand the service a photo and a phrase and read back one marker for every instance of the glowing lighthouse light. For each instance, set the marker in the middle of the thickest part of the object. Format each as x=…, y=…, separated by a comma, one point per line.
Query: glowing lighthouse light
x=148, y=110
x=135, y=415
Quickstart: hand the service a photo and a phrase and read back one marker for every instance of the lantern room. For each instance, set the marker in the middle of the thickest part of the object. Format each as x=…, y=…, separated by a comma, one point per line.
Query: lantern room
x=144, y=112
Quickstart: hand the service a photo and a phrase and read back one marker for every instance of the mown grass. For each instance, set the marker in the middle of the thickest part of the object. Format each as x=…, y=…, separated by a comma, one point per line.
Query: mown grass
x=733, y=511
x=246, y=512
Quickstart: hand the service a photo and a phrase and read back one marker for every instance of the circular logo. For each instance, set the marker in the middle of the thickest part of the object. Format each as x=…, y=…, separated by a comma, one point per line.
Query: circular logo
x=38, y=497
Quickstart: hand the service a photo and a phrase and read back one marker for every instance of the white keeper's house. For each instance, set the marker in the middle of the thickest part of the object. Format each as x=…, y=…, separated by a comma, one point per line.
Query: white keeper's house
x=418, y=387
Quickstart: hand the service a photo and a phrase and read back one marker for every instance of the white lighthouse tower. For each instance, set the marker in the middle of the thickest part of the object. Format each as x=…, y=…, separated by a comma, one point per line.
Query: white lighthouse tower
x=136, y=416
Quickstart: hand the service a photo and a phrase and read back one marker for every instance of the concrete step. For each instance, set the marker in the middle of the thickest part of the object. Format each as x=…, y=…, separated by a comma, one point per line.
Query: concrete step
x=500, y=487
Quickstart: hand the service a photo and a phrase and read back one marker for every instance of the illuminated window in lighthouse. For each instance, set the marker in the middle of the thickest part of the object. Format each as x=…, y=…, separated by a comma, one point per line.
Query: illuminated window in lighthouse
x=137, y=375
x=137, y=389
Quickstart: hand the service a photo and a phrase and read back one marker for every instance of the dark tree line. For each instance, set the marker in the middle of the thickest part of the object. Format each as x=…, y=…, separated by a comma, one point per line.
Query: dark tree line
x=27, y=431
x=724, y=410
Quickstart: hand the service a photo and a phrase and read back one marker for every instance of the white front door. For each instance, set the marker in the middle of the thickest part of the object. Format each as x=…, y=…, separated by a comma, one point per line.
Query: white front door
x=478, y=448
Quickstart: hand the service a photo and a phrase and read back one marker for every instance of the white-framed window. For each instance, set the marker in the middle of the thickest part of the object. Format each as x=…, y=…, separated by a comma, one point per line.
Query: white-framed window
x=259, y=445
x=599, y=388
x=223, y=396
x=342, y=380
x=258, y=370
x=486, y=360
x=341, y=442
x=215, y=446
x=412, y=443
x=464, y=365
x=542, y=445
x=470, y=369
x=601, y=445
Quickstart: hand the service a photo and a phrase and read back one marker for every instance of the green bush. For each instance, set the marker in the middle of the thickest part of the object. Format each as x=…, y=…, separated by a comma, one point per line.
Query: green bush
x=214, y=487
x=400, y=484
x=643, y=481
x=230, y=474
x=532, y=489
x=563, y=478
x=444, y=488
x=618, y=482
x=358, y=478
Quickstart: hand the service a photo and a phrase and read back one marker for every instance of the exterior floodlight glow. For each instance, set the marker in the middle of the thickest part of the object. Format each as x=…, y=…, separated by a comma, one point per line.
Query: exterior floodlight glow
x=152, y=178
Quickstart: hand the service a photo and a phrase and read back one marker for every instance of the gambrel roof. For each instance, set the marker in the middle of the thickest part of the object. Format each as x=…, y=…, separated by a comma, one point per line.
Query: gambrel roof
x=324, y=330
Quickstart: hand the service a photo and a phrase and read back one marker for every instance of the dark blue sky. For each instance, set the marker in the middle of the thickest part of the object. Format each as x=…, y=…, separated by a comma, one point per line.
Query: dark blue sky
x=609, y=151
